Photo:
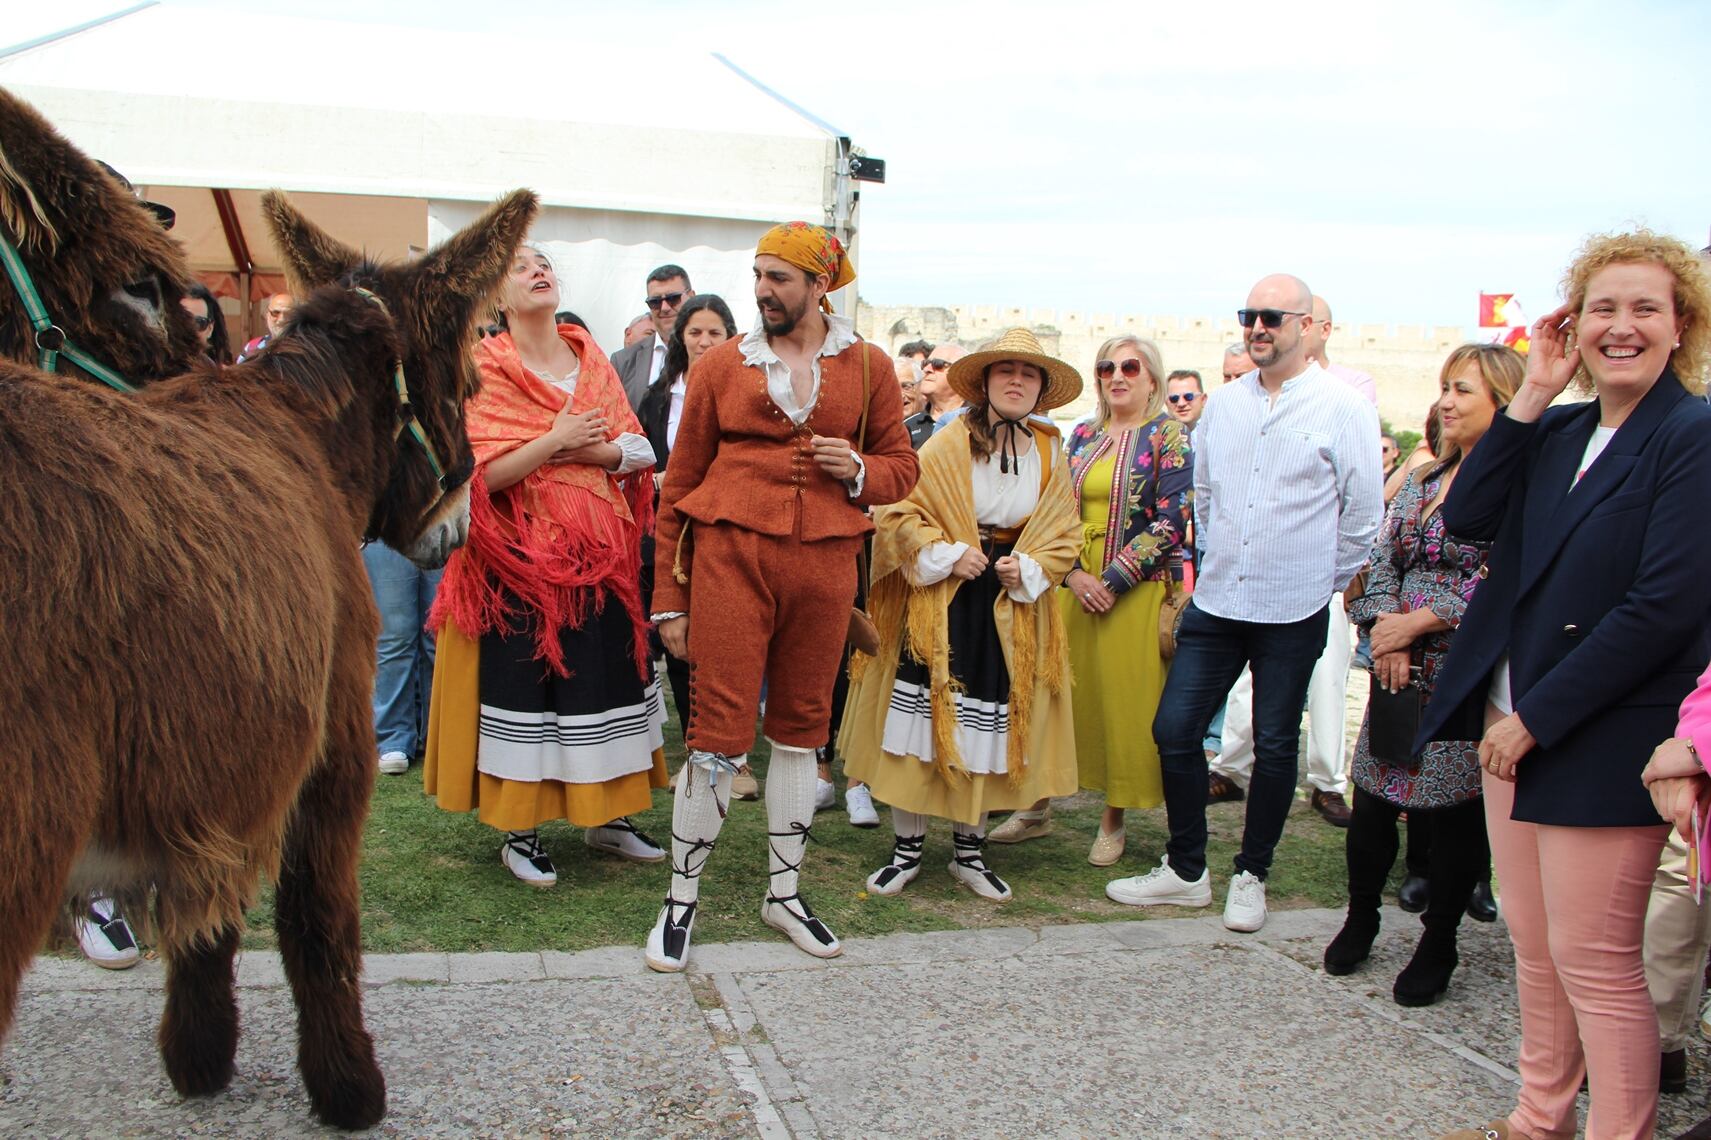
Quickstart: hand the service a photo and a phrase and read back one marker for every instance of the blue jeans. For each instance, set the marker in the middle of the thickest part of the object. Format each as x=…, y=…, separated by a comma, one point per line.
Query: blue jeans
x=404, y=668
x=1210, y=653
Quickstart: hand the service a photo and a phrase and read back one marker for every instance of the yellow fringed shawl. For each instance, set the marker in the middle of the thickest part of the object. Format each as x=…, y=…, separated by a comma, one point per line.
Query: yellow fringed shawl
x=941, y=509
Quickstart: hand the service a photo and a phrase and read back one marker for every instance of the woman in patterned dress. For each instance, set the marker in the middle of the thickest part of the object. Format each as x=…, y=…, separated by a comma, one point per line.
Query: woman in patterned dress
x=1419, y=586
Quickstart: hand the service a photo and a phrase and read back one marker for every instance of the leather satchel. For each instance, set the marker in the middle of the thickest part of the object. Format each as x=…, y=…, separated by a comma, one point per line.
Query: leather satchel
x=863, y=635
x=1393, y=720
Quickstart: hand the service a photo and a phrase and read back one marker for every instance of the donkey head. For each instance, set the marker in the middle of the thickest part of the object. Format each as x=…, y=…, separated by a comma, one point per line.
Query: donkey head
x=434, y=302
x=109, y=277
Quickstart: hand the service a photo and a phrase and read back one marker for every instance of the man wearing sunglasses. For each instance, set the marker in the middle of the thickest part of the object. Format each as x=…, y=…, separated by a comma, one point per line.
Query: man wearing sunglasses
x=639, y=364
x=942, y=402
x=1287, y=499
x=1185, y=396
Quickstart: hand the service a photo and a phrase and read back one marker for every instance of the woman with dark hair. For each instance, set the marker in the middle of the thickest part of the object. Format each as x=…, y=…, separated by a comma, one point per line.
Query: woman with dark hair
x=704, y=321
x=199, y=302
x=1576, y=651
x=966, y=708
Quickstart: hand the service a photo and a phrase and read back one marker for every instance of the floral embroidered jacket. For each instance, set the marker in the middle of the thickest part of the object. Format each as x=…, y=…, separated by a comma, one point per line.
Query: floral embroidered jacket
x=1146, y=518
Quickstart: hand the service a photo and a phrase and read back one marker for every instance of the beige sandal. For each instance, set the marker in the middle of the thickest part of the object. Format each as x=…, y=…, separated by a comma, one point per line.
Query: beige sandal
x=1108, y=847
x=1023, y=826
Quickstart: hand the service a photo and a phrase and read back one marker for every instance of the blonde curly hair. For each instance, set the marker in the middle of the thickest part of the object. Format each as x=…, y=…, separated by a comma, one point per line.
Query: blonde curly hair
x=1692, y=294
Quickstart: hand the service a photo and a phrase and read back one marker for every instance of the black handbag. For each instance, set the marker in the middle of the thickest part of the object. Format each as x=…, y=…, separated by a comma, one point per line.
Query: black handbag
x=1393, y=720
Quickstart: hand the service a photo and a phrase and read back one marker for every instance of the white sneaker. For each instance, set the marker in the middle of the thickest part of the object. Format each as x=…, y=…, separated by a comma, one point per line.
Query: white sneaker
x=621, y=838
x=1161, y=886
x=394, y=763
x=1244, y=906
x=825, y=794
x=105, y=937
x=525, y=858
x=859, y=801
x=668, y=942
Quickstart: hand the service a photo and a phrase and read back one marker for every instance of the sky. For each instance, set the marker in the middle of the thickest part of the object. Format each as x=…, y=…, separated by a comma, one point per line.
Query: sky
x=1160, y=158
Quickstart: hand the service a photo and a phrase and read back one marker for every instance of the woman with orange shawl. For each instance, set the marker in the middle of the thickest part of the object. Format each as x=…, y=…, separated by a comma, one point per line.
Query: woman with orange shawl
x=545, y=705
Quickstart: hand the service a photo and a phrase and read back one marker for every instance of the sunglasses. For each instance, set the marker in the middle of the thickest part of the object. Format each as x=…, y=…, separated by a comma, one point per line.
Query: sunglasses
x=1270, y=318
x=1106, y=369
x=937, y=365
x=672, y=299
x=1183, y=397
x=203, y=323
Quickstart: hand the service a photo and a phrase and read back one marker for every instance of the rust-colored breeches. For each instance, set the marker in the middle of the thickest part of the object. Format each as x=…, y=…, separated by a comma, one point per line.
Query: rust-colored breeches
x=765, y=607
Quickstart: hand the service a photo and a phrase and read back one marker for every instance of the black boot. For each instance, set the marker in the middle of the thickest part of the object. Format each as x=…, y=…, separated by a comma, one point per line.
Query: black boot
x=1427, y=975
x=1352, y=945
x=1481, y=907
x=1414, y=893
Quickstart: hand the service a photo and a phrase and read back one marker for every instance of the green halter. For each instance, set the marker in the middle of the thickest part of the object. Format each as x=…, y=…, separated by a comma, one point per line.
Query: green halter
x=51, y=342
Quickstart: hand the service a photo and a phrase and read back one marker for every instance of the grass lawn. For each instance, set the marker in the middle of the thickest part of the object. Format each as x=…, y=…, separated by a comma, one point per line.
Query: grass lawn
x=432, y=880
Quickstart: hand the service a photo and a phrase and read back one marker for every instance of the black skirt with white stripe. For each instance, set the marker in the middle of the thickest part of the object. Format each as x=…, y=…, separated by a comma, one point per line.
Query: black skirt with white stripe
x=978, y=668
x=601, y=722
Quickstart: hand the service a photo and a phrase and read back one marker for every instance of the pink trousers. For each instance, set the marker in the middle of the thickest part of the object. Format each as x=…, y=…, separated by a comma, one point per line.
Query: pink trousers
x=1574, y=899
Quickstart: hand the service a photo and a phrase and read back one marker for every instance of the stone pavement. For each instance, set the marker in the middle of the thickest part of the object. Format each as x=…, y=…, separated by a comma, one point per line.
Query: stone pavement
x=1156, y=1028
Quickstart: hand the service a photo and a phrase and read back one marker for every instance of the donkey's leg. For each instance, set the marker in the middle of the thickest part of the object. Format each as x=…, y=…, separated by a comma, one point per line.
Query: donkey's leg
x=199, y=1030
x=317, y=906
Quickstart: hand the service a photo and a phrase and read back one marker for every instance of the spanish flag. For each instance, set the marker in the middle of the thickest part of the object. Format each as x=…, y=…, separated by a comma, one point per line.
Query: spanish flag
x=1494, y=310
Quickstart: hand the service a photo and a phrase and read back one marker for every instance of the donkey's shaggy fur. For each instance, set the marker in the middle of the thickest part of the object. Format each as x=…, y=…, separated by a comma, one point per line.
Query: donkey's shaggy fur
x=188, y=639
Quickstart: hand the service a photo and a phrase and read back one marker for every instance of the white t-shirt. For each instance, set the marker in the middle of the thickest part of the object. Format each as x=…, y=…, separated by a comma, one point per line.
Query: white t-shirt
x=1499, y=695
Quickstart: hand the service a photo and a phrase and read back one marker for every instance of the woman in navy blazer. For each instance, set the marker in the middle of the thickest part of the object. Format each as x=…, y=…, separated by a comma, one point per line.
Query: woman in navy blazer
x=1576, y=652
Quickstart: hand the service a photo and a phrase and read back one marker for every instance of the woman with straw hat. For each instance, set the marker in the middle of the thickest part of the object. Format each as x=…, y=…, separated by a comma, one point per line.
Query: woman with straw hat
x=966, y=708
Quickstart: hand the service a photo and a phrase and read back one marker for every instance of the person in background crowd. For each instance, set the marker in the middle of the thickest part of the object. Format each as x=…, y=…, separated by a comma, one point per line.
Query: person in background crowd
x=1237, y=363
x=1425, y=453
x=915, y=417
x=1281, y=527
x=278, y=309
x=963, y=571
x=204, y=309
x=1418, y=586
x=1133, y=474
x=1184, y=394
x=404, y=662
x=750, y=593
x=566, y=317
x=639, y=364
x=1578, y=648
x=916, y=350
x=704, y=322
x=545, y=704
x=638, y=328
x=941, y=398
x=1390, y=453
x=1361, y=382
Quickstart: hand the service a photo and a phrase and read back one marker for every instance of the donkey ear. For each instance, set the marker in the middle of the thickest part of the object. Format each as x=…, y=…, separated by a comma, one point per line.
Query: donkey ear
x=312, y=257
x=458, y=276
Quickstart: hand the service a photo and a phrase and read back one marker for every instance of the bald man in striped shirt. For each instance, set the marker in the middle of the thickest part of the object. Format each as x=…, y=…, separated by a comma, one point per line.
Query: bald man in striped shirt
x=1288, y=497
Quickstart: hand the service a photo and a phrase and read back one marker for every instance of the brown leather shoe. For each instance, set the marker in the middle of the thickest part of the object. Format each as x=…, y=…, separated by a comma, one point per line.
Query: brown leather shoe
x=1223, y=790
x=1496, y=1130
x=1332, y=807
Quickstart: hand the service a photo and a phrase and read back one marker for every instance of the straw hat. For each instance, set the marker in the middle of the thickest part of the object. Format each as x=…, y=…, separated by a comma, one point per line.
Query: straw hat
x=967, y=376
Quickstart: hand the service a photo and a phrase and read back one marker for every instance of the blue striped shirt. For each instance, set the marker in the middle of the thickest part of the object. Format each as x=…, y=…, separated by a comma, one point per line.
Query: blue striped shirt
x=1288, y=495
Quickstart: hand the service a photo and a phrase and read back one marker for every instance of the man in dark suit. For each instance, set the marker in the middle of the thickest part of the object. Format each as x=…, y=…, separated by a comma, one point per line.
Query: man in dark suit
x=640, y=364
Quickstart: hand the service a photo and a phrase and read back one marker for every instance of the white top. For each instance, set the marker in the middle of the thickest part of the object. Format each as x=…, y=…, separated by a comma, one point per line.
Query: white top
x=656, y=364
x=1288, y=495
x=757, y=352
x=1499, y=694
x=675, y=416
x=1000, y=500
x=637, y=452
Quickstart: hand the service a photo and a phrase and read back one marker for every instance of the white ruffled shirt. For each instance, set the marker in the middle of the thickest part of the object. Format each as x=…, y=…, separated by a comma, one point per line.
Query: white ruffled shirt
x=636, y=451
x=1000, y=500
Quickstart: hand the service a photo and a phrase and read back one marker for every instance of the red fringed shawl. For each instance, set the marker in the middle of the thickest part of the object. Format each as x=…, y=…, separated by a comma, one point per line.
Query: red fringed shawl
x=565, y=536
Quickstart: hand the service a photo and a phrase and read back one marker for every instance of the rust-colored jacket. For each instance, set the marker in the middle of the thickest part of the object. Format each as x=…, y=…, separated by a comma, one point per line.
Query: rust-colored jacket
x=739, y=459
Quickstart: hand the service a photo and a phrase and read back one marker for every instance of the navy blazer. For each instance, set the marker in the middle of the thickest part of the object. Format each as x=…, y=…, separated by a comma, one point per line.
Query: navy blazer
x=1598, y=594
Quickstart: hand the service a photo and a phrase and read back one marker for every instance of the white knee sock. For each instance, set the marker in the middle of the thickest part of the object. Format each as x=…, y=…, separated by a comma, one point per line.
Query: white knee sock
x=789, y=810
x=907, y=824
x=696, y=816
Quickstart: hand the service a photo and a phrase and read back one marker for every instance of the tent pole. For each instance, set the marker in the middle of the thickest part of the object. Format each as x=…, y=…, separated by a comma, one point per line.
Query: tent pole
x=239, y=250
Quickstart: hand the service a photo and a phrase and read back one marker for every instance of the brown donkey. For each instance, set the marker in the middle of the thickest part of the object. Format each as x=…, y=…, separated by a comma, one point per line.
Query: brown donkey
x=186, y=630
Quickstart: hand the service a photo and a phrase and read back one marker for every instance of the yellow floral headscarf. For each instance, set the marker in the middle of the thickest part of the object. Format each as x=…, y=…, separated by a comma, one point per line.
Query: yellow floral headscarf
x=812, y=249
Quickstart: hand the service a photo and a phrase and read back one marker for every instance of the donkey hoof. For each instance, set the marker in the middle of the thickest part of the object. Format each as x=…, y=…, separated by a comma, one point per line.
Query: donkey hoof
x=351, y=1100
x=203, y=1076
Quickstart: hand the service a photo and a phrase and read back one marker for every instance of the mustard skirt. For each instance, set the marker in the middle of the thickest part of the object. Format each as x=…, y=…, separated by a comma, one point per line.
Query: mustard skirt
x=452, y=776
x=1118, y=678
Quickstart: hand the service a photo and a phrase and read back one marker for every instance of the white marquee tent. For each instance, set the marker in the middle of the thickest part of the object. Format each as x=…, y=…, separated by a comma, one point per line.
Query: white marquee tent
x=394, y=137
